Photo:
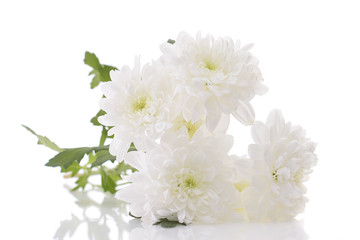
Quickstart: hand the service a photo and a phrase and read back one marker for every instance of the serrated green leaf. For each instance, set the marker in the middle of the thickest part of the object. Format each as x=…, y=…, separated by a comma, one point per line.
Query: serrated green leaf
x=102, y=157
x=115, y=178
x=107, y=182
x=95, y=121
x=74, y=168
x=96, y=79
x=82, y=181
x=100, y=71
x=105, y=72
x=68, y=156
x=43, y=140
x=91, y=60
x=122, y=168
x=119, y=171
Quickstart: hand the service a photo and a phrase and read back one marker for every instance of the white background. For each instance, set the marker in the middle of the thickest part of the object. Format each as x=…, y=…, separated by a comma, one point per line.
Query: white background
x=309, y=55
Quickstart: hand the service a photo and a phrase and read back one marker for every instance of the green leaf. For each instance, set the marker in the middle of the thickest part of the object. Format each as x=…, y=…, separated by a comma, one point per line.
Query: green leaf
x=44, y=140
x=82, y=181
x=74, y=168
x=107, y=182
x=100, y=71
x=123, y=167
x=102, y=157
x=92, y=158
x=68, y=156
x=95, y=121
x=171, y=41
x=117, y=172
x=165, y=223
x=91, y=60
x=100, y=148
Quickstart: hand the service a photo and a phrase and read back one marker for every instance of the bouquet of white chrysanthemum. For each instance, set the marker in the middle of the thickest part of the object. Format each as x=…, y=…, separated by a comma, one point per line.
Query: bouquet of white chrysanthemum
x=167, y=124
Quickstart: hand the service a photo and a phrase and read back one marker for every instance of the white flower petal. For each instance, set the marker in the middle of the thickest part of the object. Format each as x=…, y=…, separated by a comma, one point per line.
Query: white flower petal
x=260, y=133
x=260, y=88
x=136, y=159
x=119, y=147
x=125, y=194
x=256, y=153
x=223, y=124
x=275, y=119
x=213, y=114
x=244, y=113
x=226, y=143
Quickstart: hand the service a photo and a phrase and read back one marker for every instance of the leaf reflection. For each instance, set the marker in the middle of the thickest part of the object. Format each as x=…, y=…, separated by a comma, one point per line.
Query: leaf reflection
x=100, y=218
x=104, y=218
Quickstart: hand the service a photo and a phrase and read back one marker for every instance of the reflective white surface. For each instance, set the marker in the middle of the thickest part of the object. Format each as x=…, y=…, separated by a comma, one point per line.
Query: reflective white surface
x=61, y=214
x=233, y=231
x=108, y=219
x=102, y=216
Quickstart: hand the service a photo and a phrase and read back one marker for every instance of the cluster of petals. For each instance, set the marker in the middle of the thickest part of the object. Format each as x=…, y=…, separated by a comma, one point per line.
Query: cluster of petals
x=282, y=159
x=196, y=80
x=215, y=76
x=183, y=180
x=176, y=111
x=139, y=105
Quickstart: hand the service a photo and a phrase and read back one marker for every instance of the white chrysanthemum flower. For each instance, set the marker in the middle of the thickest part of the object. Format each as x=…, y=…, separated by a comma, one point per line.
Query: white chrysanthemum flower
x=182, y=180
x=283, y=158
x=139, y=104
x=215, y=76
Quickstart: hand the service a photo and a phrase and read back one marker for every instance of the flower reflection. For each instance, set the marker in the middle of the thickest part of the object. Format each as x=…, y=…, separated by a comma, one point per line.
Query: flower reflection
x=102, y=217
x=101, y=213
x=232, y=231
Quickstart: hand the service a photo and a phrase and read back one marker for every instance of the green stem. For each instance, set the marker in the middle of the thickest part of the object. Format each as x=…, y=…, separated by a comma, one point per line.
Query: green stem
x=103, y=136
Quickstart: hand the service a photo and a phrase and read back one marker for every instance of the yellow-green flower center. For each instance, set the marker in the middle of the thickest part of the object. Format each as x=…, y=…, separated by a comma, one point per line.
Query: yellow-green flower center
x=191, y=127
x=241, y=185
x=187, y=181
x=298, y=176
x=210, y=65
x=190, y=182
x=275, y=176
x=139, y=104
